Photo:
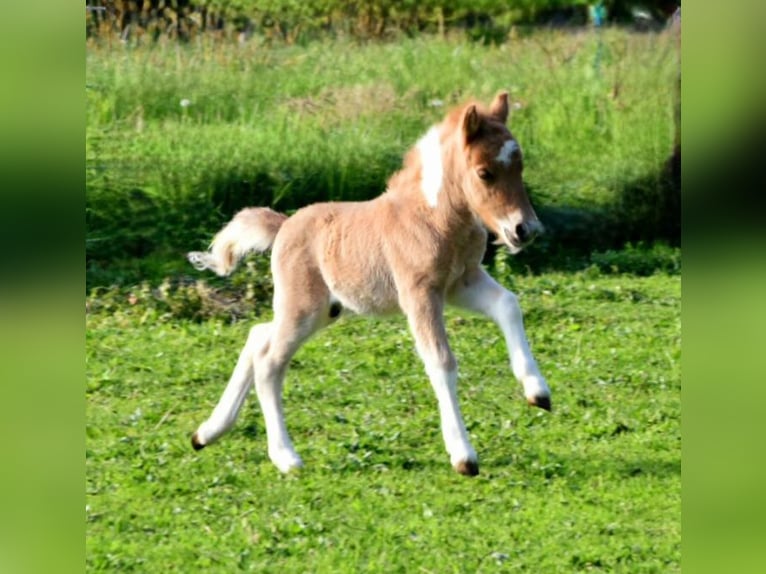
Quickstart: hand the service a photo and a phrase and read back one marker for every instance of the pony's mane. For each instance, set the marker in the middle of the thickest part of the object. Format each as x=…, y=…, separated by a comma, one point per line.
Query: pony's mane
x=447, y=127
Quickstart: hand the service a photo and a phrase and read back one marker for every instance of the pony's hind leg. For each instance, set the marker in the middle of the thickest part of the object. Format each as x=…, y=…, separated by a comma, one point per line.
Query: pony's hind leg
x=289, y=332
x=263, y=361
x=477, y=291
x=225, y=413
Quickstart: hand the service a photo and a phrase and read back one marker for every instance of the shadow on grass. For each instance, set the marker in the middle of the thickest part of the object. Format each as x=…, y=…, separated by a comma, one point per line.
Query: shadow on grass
x=645, y=210
x=145, y=236
x=580, y=468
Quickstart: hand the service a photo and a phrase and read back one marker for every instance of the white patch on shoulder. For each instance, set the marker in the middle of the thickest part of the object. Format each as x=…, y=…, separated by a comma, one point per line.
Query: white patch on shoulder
x=432, y=170
x=506, y=152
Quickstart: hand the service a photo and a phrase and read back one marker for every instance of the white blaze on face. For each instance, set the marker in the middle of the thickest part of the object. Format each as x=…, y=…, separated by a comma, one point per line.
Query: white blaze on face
x=506, y=152
x=431, y=165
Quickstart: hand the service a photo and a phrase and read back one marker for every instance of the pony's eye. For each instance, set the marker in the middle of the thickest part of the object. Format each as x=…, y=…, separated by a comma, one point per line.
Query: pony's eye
x=485, y=174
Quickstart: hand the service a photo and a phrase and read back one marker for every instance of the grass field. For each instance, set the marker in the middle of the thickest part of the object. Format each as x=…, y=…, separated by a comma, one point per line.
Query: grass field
x=594, y=486
x=179, y=136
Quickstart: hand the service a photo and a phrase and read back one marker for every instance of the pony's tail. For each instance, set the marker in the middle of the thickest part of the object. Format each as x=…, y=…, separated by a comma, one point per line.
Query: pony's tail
x=252, y=229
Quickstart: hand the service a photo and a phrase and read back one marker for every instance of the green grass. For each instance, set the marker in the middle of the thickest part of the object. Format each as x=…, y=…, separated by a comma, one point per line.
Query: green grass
x=289, y=125
x=594, y=486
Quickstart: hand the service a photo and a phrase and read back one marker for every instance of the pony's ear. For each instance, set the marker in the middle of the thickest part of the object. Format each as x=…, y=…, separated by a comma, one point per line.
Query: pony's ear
x=471, y=121
x=499, y=107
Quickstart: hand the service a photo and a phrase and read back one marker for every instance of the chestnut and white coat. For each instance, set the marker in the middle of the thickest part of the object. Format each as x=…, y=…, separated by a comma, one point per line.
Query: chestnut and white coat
x=414, y=249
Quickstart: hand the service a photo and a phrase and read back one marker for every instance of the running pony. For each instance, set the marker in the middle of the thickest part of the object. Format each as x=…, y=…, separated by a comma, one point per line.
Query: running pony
x=415, y=248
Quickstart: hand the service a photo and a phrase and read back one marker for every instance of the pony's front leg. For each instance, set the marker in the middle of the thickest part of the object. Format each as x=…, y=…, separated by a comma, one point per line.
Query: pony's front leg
x=225, y=413
x=477, y=291
x=424, y=315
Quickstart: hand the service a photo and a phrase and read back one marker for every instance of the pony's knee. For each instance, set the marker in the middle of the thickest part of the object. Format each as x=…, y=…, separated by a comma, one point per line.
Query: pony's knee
x=270, y=369
x=447, y=361
x=509, y=299
x=439, y=361
x=509, y=305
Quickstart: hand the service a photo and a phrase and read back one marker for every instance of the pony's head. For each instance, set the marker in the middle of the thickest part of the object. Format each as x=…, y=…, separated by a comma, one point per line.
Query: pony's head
x=490, y=177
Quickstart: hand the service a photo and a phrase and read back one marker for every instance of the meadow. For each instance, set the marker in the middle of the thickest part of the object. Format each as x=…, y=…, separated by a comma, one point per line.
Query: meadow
x=179, y=136
x=592, y=486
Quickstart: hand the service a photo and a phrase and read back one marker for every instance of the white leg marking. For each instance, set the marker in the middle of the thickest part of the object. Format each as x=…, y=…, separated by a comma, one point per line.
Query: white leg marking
x=269, y=378
x=427, y=325
x=432, y=171
x=225, y=413
x=286, y=339
x=485, y=295
x=444, y=383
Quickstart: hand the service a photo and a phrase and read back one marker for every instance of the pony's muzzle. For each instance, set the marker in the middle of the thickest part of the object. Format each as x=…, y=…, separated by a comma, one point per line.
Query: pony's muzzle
x=523, y=233
x=527, y=231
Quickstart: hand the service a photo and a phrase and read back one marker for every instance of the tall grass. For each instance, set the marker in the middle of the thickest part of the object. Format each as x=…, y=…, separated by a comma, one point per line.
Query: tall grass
x=180, y=136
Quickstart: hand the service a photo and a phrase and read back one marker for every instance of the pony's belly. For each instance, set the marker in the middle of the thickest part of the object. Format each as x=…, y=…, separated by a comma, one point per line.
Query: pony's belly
x=366, y=306
x=371, y=296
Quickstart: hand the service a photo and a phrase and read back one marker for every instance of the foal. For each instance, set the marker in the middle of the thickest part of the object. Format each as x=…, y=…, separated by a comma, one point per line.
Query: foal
x=414, y=248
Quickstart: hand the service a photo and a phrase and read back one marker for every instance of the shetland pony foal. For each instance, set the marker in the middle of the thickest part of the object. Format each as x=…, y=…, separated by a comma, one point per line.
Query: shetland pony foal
x=414, y=248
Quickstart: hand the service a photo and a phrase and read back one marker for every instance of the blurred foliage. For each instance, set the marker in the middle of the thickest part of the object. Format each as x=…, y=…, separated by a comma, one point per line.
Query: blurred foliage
x=297, y=21
x=639, y=259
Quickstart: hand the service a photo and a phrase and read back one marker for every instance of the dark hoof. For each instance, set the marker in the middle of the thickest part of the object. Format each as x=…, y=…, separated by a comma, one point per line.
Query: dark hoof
x=467, y=468
x=196, y=443
x=541, y=402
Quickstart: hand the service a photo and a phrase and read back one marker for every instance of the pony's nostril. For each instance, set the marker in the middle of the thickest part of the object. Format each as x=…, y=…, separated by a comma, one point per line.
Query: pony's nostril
x=521, y=232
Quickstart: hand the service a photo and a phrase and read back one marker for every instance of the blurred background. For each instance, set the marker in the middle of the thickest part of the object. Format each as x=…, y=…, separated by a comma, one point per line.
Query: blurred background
x=197, y=109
